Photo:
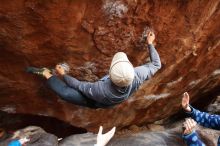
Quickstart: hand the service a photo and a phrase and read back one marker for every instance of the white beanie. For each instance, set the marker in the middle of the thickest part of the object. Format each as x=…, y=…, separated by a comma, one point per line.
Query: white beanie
x=121, y=70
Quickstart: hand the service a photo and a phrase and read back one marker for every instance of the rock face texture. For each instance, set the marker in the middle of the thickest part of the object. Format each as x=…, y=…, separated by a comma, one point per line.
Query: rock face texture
x=87, y=33
x=171, y=137
x=214, y=107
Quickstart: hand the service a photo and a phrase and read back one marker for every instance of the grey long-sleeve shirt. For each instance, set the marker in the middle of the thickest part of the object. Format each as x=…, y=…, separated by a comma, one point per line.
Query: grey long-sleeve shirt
x=105, y=92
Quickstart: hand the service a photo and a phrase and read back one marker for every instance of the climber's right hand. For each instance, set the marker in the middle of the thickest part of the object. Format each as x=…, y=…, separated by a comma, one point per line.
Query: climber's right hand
x=150, y=37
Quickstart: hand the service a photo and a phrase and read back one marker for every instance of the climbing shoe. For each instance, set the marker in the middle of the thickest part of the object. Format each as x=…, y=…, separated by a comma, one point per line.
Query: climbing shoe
x=34, y=70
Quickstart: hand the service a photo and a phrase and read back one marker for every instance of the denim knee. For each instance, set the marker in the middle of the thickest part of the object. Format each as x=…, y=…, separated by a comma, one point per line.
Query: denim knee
x=65, y=94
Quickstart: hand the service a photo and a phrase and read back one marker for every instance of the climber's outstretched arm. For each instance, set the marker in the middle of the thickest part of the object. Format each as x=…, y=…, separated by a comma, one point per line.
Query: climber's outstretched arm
x=147, y=70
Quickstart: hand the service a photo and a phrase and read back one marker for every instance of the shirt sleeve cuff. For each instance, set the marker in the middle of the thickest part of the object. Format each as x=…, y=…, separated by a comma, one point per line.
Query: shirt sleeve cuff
x=188, y=136
x=150, y=45
x=192, y=110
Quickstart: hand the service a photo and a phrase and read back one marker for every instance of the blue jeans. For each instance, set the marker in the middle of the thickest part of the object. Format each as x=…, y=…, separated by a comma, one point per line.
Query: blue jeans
x=70, y=94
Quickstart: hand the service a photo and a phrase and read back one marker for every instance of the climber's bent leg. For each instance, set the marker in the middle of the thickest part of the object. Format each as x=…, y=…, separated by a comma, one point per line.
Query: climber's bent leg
x=69, y=94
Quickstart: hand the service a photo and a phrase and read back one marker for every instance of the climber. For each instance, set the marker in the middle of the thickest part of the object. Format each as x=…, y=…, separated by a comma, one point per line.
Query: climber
x=112, y=89
x=210, y=121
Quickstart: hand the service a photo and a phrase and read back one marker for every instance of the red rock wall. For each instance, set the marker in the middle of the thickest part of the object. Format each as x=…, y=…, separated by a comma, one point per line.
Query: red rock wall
x=87, y=33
